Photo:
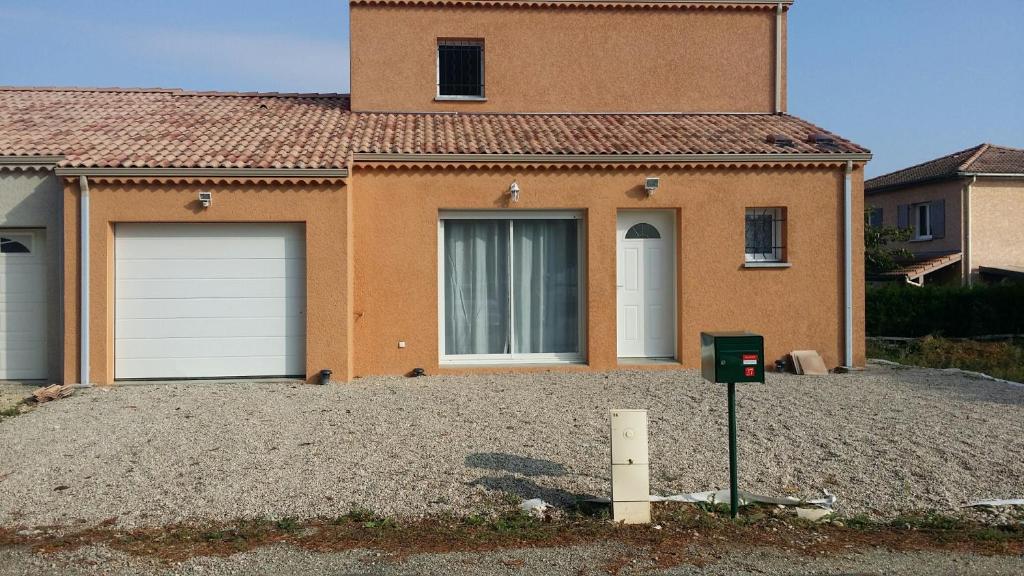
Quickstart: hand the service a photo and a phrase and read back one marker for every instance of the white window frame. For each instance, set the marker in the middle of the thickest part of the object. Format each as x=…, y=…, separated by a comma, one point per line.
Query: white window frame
x=437, y=69
x=777, y=219
x=916, y=209
x=578, y=357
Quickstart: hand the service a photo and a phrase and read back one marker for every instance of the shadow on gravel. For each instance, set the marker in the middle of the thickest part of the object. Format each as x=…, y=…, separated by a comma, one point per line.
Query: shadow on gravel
x=515, y=464
x=526, y=489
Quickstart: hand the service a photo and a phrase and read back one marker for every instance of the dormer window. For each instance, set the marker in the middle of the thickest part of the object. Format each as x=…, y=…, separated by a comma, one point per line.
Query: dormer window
x=460, y=70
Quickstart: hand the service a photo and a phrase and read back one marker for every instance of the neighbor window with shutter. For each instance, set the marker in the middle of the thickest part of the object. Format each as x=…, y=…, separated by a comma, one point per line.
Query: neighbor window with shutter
x=927, y=220
x=460, y=69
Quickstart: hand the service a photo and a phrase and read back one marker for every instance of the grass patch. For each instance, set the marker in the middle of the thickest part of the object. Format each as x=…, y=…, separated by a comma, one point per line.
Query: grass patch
x=1003, y=360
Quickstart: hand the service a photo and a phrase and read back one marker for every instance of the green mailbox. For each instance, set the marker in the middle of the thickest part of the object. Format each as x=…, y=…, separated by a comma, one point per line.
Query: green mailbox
x=732, y=357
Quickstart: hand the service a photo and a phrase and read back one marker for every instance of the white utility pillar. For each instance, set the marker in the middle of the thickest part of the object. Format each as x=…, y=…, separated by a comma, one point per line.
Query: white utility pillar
x=631, y=476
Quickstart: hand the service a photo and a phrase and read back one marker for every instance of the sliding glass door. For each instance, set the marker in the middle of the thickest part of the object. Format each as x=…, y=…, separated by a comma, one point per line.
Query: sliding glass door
x=510, y=287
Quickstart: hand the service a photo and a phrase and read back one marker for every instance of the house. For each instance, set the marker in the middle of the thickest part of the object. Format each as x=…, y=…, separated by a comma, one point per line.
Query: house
x=963, y=211
x=513, y=186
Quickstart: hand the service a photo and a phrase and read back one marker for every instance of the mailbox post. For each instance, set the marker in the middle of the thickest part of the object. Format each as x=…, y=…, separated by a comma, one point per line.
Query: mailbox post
x=729, y=358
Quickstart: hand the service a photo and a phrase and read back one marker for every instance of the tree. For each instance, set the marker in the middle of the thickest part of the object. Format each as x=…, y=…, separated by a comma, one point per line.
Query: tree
x=879, y=256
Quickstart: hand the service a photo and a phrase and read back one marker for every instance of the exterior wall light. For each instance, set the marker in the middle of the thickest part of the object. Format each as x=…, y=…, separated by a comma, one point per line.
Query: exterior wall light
x=513, y=191
x=651, y=185
x=206, y=199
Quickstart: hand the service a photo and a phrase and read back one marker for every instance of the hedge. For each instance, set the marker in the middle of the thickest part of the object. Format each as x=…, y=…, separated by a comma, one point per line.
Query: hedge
x=952, y=311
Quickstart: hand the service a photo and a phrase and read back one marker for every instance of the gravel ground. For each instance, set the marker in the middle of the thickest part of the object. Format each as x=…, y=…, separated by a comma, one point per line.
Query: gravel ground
x=884, y=440
x=11, y=393
x=287, y=561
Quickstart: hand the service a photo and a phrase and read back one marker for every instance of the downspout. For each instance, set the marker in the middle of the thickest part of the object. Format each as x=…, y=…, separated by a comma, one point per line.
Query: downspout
x=778, y=58
x=848, y=263
x=967, y=263
x=83, y=186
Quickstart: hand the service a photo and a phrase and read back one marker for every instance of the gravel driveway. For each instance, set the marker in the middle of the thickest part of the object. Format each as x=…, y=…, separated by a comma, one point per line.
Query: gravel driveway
x=572, y=561
x=884, y=440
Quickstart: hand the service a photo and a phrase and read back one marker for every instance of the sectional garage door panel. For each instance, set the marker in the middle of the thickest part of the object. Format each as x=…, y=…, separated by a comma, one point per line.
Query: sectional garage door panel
x=210, y=300
x=23, y=305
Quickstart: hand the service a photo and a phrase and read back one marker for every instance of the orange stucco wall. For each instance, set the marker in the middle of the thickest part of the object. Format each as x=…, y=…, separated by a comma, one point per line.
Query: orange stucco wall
x=570, y=60
x=322, y=208
x=395, y=218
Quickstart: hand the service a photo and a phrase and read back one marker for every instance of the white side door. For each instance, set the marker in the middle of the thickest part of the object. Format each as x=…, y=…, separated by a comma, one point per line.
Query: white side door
x=646, y=285
x=22, y=305
x=210, y=300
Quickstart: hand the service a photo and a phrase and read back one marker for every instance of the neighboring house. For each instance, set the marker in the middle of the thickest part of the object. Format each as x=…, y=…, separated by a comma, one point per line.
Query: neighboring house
x=964, y=211
x=513, y=185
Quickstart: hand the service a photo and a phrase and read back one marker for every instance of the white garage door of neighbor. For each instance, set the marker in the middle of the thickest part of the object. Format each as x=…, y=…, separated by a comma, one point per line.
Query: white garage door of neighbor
x=22, y=305
x=210, y=300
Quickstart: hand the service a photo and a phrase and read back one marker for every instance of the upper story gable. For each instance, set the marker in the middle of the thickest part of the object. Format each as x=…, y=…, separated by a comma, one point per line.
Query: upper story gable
x=569, y=56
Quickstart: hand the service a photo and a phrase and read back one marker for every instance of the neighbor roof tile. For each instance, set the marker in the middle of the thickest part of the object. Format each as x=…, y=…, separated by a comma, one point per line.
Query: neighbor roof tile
x=981, y=159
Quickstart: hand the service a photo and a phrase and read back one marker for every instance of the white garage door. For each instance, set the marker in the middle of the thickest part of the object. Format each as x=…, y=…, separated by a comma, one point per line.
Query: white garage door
x=22, y=305
x=210, y=300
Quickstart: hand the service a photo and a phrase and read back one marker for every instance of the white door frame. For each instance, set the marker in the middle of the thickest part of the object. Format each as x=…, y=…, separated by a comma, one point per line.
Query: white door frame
x=625, y=219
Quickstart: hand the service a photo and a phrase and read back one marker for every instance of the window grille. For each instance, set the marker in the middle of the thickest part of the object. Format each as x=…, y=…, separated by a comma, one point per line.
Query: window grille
x=764, y=235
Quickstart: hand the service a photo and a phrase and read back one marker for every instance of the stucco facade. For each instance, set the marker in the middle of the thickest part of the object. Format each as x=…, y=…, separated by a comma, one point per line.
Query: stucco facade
x=950, y=191
x=997, y=211
x=995, y=207
x=559, y=59
x=31, y=199
x=396, y=291
x=593, y=111
x=321, y=207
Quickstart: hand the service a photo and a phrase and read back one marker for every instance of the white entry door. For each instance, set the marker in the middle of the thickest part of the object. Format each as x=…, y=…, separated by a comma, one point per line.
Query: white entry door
x=646, y=285
x=22, y=304
x=210, y=300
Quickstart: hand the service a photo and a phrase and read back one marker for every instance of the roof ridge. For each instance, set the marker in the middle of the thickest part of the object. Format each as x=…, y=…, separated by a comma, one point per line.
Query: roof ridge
x=977, y=154
x=925, y=163
x=172, y=91
x=997, y=146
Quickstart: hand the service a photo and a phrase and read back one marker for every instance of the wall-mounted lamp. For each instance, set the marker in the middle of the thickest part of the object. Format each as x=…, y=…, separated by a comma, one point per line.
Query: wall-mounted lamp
x=513, y=191
x=206, y=199
x=651, y=185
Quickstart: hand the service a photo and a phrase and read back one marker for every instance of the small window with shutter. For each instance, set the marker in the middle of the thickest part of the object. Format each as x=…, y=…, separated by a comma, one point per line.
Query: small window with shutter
x=927, y=220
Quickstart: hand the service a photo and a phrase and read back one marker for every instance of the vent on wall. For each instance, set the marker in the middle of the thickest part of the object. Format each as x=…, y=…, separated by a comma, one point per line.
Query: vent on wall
x=780, y=140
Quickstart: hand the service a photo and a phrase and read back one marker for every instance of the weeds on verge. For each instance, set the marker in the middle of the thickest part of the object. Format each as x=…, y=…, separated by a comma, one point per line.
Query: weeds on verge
x=367, y=518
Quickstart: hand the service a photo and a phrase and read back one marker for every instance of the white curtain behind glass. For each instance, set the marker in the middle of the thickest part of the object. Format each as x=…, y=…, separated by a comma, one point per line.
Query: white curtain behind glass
x=476, y=287
x=545, y=277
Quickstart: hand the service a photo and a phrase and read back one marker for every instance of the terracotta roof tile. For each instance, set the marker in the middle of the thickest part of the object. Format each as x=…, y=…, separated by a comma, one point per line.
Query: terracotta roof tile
x=163, y=128
x=981, y=159
x=925, y=265
x=589, y=134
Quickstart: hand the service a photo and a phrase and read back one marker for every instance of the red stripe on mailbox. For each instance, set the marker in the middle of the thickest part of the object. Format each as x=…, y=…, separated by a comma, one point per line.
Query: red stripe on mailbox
x=750, y=359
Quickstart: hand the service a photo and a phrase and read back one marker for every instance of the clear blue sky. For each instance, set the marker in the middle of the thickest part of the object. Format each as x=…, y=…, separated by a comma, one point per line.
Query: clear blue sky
x=910, y=79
